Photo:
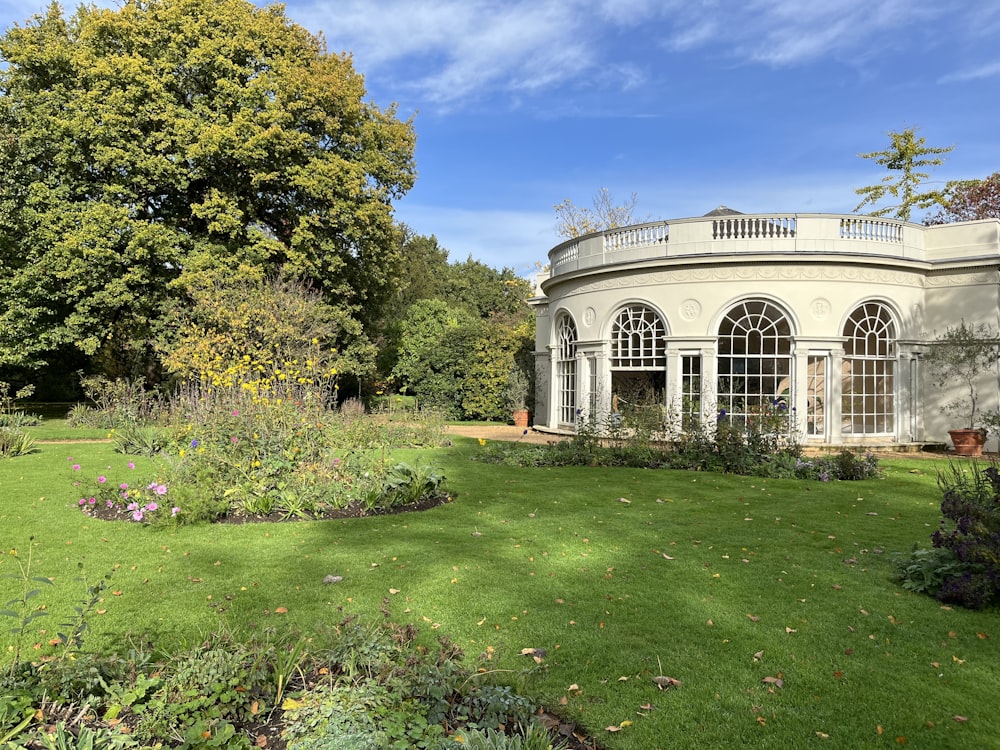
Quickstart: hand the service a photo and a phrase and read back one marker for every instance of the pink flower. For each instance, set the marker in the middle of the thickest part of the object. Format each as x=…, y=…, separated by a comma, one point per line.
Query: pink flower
x=131, y=464
x=137, y=515
x=161, y=489
x=91, y=501
x=174, y=512
x=152, y=507
x=132, y=506
x=76, y=467
x=236, y=412
x=234, y=440
x=102, y=480
x=123, y=486
x=108, y=503
x=82, y=501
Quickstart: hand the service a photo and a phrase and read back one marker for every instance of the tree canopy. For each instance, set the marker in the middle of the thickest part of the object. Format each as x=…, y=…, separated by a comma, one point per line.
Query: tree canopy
x=576, y=222
x=969, y=200
x=144, y=146
x=904, y=157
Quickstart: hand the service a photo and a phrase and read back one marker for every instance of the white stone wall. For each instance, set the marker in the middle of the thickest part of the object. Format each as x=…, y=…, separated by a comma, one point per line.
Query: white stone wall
x=929, y=277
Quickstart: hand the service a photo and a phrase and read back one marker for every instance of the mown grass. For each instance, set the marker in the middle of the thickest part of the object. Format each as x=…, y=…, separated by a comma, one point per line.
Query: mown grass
x=691, y=579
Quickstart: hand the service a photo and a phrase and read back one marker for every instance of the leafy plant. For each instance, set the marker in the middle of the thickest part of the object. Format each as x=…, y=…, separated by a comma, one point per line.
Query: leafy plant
x=13, y=443
x=23, y=613
x=406, y=484
x=140, y=439
x=957, y=358
x=970, y=530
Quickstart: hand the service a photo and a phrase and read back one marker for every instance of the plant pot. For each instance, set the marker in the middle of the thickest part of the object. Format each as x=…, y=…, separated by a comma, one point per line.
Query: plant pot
x=522, y=417
x=968, y=442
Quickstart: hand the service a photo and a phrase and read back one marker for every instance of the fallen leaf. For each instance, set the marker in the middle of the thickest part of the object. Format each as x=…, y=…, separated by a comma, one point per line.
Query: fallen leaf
x=281, y=610
x=789, y=631
x=623, y=679
x=753, y=618
x=647, y=706
x=758, y=656
x=573, y=687
x=261, y=741
x=823, y=735
x=776, y=681
x=982, y=636
x=665, y=683
x=393, y=591
x=958, y=718
x=624, y=500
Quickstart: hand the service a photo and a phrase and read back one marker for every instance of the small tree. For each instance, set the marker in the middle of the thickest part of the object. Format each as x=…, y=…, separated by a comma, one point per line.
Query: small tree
x=957, y=358
x=903, y=158
x=576, y=222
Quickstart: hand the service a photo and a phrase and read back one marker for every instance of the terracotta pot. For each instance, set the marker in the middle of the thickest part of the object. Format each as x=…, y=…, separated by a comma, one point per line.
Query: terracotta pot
x=968, y=442
x=522, y=417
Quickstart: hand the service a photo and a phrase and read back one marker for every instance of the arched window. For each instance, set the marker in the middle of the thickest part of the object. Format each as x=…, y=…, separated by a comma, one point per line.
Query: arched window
x=566, y=368
x=868, y=390
x=638, y=367
x=755, y=363
x=638, y=340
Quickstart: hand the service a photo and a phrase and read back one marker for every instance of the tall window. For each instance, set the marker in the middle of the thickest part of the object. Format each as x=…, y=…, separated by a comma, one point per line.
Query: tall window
x=755, y=363
x=816, y=394
x=566, y=369
x=690, y=391
x=868, y=394
x=638, y=367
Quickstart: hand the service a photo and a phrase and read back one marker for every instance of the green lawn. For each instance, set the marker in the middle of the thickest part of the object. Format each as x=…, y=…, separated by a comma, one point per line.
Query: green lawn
x=692, y=579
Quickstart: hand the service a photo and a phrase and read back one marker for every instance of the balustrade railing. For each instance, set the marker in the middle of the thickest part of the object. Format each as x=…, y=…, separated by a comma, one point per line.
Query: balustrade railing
x=566, y=255
x=627, y=238
x=753, y=227
x=872, y=230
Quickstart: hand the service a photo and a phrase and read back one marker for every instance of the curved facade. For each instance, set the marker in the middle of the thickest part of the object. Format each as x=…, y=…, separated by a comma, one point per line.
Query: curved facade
x=826, y=315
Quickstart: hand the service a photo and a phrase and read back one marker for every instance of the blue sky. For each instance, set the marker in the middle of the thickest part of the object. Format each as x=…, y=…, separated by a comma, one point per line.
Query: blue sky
x=759, y=105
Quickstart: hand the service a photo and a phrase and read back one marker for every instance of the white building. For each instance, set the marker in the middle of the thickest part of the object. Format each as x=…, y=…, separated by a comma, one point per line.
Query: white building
x=828, y=314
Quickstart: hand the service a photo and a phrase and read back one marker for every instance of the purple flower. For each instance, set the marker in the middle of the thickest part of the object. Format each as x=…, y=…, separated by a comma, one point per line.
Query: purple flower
x=194, y=443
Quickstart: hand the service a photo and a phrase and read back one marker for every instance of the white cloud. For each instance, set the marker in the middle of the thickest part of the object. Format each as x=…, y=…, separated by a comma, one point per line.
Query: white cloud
x=986, y=70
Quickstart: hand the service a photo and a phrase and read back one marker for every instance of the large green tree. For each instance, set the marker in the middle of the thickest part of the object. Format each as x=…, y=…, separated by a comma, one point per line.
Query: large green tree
x=904, y=157
x=166, y=137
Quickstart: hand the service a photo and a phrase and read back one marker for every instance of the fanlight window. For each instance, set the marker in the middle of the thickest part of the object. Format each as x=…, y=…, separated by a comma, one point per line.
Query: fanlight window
x=638, y=340
x=754, y=361
x=868, y=391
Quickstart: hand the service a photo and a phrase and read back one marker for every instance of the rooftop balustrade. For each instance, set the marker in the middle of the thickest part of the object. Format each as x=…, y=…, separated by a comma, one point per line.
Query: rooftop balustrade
x=756, y=234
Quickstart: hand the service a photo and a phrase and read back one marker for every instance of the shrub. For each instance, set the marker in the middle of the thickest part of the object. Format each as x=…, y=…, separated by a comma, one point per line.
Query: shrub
x=970, y=530
x=15, y=443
